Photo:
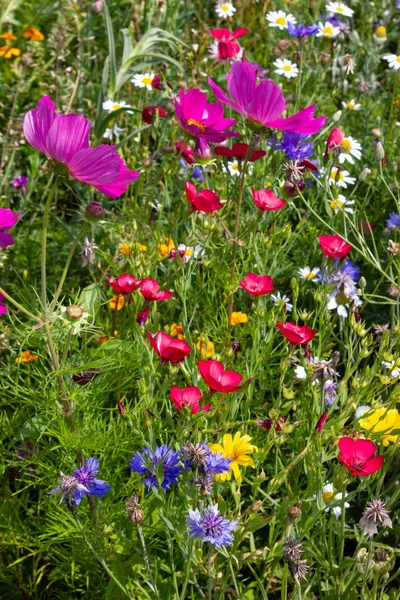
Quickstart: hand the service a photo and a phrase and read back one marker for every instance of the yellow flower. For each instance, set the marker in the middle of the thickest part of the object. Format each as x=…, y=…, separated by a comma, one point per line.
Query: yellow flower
x=26, y=357
x=236, y=449
x=125, y=249
x=206, y=348
x=8, y=36
x=34, y=34
x=113, y=302
x=380, y=32
x=238, y=317
x=382, y=421
x=7, y=52
x=141, y=247
x=165, y=248
x=176, y=330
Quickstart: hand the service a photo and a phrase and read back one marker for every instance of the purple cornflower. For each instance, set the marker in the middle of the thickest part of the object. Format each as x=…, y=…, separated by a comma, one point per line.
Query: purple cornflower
x=301, y=30
x=200, y=456
x=348, y=270
x=330, y=392
x=68, y=487
x=20, y=183
x=294, y=145
x=393, y=221
x=86, y=477
x=197, y=172
x=163, y=461
x=211, y=526
x=342, y=25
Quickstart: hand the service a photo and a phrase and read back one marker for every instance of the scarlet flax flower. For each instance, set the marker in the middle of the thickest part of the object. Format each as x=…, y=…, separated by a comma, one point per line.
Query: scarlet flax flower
x=64, y=139
x=296, y=334
x=168, y=348
x=219, y=380
x=240, y=151
x=333, y=246
x=358, y=456
x=227, y=46
x=257, y=285
x=149, y=111
x=205, y=201
x=150, y=290
x=188, y=396
x=267, y=200
x=125, y=284
x=262, y=103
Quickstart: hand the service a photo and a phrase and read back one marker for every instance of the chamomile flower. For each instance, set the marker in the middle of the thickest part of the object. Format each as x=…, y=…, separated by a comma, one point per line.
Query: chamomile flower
x=328, y=495
x=286, y=67
x=225, y=10
x=282, y=301
x=393, y=61
x=339, y=8
x=340, y=178
x=110, y=105
x=352, y=105
x=278, y=18
x=310, y=274
x=341, y=303
x=349, y=147
x=328, y=30
x=109, y=133
x=142, y=81
x=234, y=168
x=341, y=203
x=191, y=251
x=393, y=367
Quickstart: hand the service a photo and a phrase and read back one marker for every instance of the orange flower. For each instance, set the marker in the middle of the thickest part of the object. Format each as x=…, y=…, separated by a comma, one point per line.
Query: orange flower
x=26, y=357
x=176, y=330
x=100, y=339
x=125, y=249
x=8, y=36
x=113, y=302
x=206, y=348
x=165, y=248
x=141, y=247
x=33, y=34
x=238, y=317
x=7, y=52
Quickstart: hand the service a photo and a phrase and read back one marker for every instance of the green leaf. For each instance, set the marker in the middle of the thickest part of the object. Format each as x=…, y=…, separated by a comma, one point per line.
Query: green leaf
x=90, y=298
x=111, y=50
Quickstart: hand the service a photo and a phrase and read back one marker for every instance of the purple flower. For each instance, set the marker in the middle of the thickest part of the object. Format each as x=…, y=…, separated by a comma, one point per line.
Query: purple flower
x=200, y=456
x=301, y=30
x=86, y=477
x=217, y=464
x=211, y=526
x=330, y=392
x=8, y=218
x=163, y=461
x=393, y=221
x=6, y=239
x=262, y=103
x=294, y=145
x=20, y=183
x=3, y=307
x=65, y=140
x=84, y=378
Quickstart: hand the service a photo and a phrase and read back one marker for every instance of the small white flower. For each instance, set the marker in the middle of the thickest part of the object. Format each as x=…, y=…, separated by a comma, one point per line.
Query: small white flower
x=340, y=308
x=234, y=168
x=327, y=30
x=225, y=9
x=339, y=8
x=300, y=372
x=191, y=251
x=349, y=147
x=311, y=274
x=393, y=60
x=328, y=495
x=361, y=410
x=340, y=178
x=393, y=366
x=286, y=67
x=341, y=203
x=110, y=105
x=142, y=81
x=278, y=18
x=109, y=133
x=352, y=105
x=282, y=301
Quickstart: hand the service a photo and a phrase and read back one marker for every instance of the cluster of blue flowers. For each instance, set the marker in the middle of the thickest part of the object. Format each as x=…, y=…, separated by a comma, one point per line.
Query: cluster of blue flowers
x=294, y=145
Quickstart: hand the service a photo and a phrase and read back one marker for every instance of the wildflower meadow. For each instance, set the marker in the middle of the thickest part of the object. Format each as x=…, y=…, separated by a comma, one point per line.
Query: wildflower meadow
x=200, y=300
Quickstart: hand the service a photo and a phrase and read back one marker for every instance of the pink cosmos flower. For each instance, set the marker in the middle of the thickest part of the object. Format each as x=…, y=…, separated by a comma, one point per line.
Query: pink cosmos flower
x=262, y=103
x=257, y=285
x=65, y=140
x=189, y=396
x=239, y=151
x=227, y=46
x=6, y=239
x=125, y=284
x=169, y=349
x=150, y=290
x=8, y=218
x=267, y=200
x=333, y=246
x=3, y=307
x=219, y=380
x=296, y=334
x=204, y=201
x=358, y=456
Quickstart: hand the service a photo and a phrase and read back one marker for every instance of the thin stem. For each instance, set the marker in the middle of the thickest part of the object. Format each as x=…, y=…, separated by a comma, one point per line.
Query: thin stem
x=234, y=579
x=146, y=561
x=188, y=560
x=284, y=582
x=19, y=306
x=209, y=577
x=44, y=241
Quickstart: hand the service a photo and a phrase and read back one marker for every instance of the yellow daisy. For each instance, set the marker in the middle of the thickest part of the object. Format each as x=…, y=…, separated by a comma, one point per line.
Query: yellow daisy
x=382, y=421
x=236, y=449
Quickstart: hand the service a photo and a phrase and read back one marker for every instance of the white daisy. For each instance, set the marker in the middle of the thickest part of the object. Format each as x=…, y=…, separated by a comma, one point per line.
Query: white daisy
x=327, y=30
x=351, y=105
x=328, y=495
x=310, y=274
x=282, y=301
x=393, y=60
x=340, y=178
x=286, y=67
x=225, y=9
x=110, y=105
x=342, y=308
x=339, y=8
x=349, y=147
x=278, y=18
x=110, y=132
x=341, y=203
x=300, y=372
x=142, y=81
x=191, y=251
x=393, y=366
x=234, y=168
x=361, y=410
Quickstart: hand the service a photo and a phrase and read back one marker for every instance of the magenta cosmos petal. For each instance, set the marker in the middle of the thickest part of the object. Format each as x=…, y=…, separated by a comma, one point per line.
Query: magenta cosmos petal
x=37, y=123
x=6, y=239
x=68, y=134
x=8, y=219
x=120, y=184
x=97, y=166
x=301, y=122
x=267, y=103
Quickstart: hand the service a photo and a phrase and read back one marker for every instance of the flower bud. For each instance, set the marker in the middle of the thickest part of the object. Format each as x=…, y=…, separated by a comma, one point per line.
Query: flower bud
x=202, y=152
x=134, y=511
x=364, y=175
x=74, y=312
x=290, y=191
x=362, y=283
x=147, y=162
x=379, y=153
x=337, y=116
x=94, y=212
x=97, y=7
x=294, y=512
x=321, y=422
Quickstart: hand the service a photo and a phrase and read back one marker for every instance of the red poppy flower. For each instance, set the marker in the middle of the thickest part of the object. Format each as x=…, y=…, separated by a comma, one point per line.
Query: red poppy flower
x=219, y=380
x=267, y=200
x=125, y=284
x=189, y=396
x=149, y=111
x=150, y=291
x=334, y=246
x=169, y=349
x=296, y=334
x=334, y=139
x=204, y=201
x=239, y=151
x=358, y=456
x=257, y=285
x=185, y=151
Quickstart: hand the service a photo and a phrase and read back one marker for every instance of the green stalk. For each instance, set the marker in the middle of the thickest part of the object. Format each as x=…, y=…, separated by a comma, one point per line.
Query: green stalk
x=44, y=241
x=19, y=306
x=146, y=561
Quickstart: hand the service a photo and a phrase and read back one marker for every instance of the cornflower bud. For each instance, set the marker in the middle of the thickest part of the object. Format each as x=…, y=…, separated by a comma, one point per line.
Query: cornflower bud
x=379, y=153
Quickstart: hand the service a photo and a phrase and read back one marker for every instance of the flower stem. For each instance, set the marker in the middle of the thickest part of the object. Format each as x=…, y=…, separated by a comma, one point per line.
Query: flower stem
x=146, y=561
x=44, y=241
x=19, y=306
x=209, y=577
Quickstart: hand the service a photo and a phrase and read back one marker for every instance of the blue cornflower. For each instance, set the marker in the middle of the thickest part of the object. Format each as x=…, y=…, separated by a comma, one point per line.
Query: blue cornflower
x=294, y=145
x=217, y=464
x=393, y=221
x=211, y=526
x=349, y=268
x=197, y=172
x=301, y=30
x=330, y=392
x=162, y=461
x=86, y=476
x=200, y=456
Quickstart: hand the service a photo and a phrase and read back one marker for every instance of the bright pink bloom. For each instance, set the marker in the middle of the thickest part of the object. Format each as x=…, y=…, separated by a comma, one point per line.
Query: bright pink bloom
x=204, y=201
x=227, y=45
x=334, y=246
x=267, y=200
x=150, y=290
x=65, y=139
x=219, y=380
x=296, y=334
x=187, y=152
x=358, y=456
x=8, y=219
x=169, y=349
x=239, y=151
x=6, y=239
x=334, y=139
x=189, y=396
x=263, y=103
x=149, y=111
x=125, y=284
x=3, y=307
x=257, y=285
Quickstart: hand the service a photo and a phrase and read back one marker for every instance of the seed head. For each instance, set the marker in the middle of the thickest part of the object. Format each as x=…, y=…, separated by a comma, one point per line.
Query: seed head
x=134, y=511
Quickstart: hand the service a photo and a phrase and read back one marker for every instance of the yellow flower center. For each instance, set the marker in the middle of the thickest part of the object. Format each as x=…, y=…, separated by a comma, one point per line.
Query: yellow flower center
x=235, y=167
x=327, y=497
x=339, y=9
x=281, y=21
x=287, y=68
x=225, y=7
x=346, y=144
x=327, y=31
x=380, y=31
x=188, y=251
x=351, y=105
x=197, y=123
x=116, y=106
x=335, y=204
x=311, y=275
x=147, y=80
x=336, y=175
x=398, y=59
